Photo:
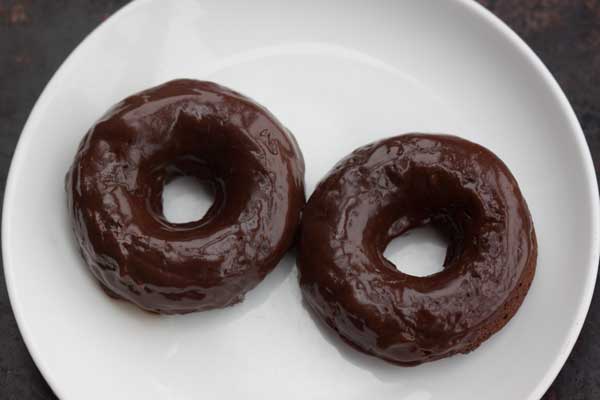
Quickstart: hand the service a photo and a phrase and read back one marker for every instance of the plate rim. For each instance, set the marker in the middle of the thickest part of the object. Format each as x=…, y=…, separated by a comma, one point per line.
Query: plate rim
x=475, y=8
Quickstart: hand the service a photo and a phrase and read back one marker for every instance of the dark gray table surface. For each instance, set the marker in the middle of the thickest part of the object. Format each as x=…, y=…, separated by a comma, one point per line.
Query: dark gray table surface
x=37, y=35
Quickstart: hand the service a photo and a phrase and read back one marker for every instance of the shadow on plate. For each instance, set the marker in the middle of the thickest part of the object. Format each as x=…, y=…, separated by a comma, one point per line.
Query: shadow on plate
x=382, y=370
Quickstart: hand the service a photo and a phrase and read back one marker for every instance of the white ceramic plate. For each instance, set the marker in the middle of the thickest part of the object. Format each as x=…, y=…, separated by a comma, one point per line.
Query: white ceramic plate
x=339, y=74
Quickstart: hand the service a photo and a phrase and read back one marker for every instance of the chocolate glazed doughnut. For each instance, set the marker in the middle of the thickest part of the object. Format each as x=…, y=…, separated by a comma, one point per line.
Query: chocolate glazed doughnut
x=383, y=190
x=185, y=127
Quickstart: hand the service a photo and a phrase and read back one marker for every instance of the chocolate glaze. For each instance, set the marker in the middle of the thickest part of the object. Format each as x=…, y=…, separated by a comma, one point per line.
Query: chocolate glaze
x=185, y=127
x=381, y=191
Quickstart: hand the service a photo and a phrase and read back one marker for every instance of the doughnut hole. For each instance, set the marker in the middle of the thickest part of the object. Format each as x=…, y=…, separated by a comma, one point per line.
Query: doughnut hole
x=418, y=252
x=439, y=229
x=200, y=179
x=187, y=199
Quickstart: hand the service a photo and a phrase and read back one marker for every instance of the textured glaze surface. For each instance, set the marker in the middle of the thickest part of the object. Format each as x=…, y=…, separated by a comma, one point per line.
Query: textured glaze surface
x=381, y=191
x=180, y=128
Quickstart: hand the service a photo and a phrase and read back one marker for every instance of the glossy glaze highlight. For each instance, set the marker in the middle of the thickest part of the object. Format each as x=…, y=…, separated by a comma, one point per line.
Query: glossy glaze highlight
x=222, y=138
x=381, y=191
